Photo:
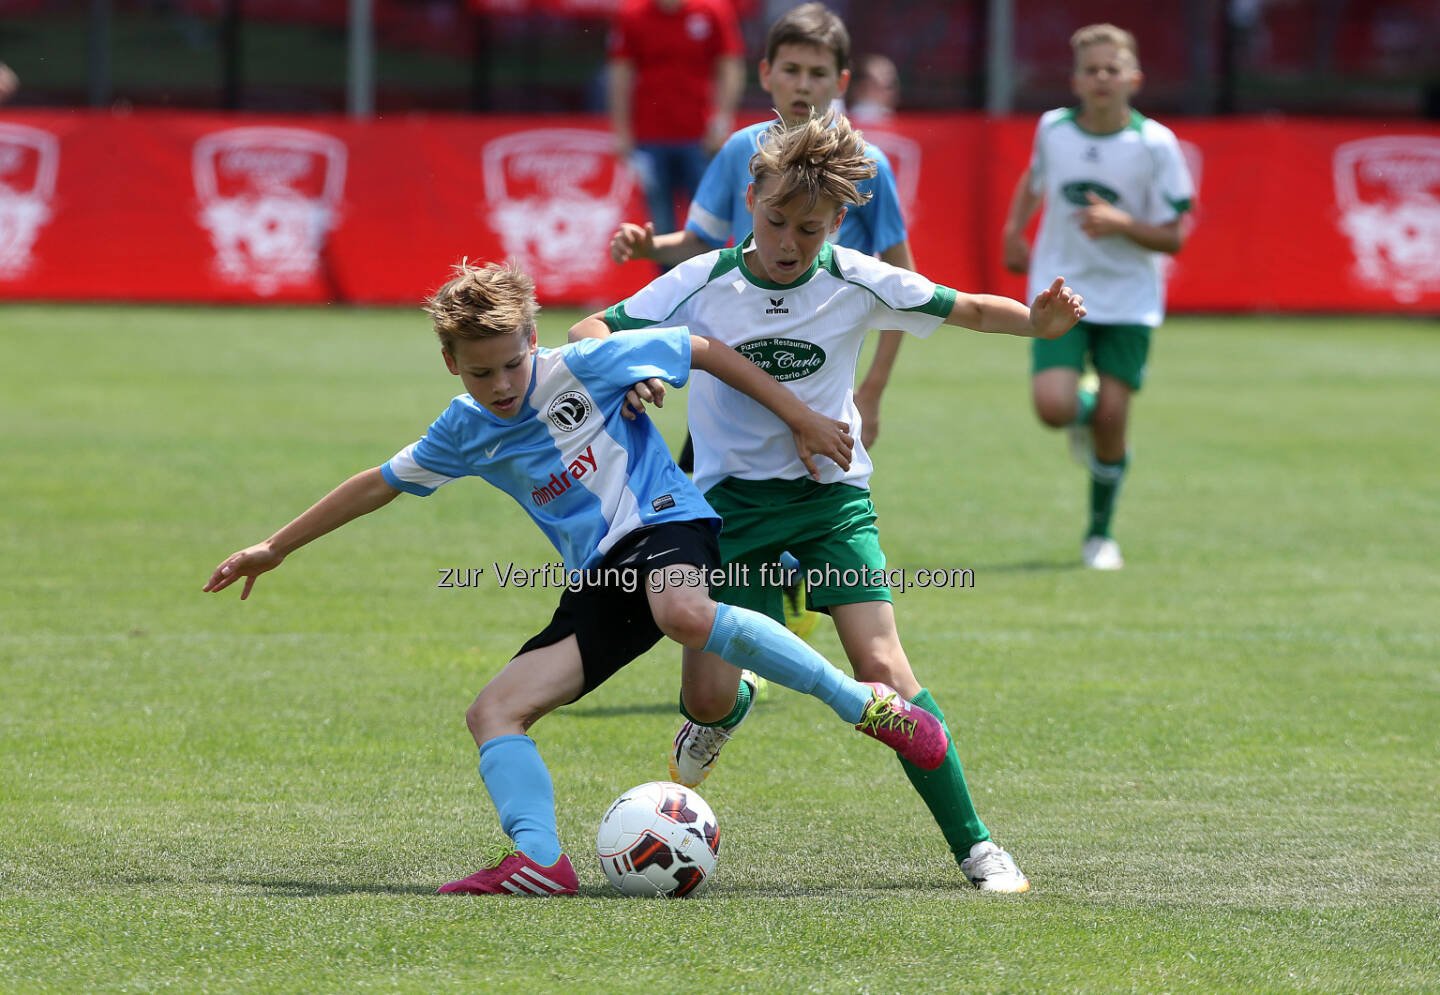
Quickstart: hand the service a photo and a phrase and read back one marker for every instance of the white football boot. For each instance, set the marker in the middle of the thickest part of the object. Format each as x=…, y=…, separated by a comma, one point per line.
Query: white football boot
x=1101, y=553
x=697, y=748
x=990, y=868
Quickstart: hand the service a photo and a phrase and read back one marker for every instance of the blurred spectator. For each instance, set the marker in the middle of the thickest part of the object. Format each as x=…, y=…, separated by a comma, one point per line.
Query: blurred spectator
x=874, y=90
x=676, y=72
x=9, y=82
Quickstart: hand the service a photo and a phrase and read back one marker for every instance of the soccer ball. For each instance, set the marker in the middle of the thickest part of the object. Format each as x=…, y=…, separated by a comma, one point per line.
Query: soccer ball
x=658, y=840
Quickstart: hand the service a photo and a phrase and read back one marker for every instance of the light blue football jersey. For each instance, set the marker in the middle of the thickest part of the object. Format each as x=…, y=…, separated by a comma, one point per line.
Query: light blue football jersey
x=718, y=213
x=586, y=475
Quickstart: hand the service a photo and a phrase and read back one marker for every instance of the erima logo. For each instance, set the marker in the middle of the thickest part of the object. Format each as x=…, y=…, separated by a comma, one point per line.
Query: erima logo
x=775, y=306
x=1092, y=154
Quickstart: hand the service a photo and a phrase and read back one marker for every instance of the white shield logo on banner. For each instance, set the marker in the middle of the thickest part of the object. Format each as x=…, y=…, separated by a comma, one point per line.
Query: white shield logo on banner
x=554, y=196
x=1388, y=193
x=269, y=197
x=29, y=162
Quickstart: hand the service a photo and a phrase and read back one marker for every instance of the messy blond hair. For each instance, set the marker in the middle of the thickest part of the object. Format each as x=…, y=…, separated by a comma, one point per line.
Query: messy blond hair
x=1104, y=34
x=483, y=301
x=823, y=157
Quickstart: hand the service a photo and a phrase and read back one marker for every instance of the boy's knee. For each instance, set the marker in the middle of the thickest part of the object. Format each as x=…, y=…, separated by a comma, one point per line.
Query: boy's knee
x=688, y=621
x=1055, y=412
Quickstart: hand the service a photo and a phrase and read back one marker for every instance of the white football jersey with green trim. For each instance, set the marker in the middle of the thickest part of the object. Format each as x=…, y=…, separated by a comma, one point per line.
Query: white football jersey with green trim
x=806, y=334
x=1141, y=170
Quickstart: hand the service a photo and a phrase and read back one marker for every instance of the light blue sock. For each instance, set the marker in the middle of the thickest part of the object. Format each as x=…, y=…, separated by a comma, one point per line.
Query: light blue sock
x=788, y=561
x=519, y=785
x=759, y=643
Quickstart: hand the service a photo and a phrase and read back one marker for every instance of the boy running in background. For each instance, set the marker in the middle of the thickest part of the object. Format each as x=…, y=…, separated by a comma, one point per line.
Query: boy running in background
x=638, y=542
x=800, y=306
x=1114, y=185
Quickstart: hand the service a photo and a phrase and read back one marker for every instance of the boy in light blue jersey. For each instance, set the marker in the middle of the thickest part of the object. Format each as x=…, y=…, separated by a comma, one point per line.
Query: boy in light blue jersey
x=799, y=306
x=638, y=543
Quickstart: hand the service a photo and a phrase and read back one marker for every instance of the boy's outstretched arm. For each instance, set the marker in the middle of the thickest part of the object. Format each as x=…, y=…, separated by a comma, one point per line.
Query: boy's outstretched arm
x=815, y=435
x=632, y=241
x=360, y=495
x=1055, y=311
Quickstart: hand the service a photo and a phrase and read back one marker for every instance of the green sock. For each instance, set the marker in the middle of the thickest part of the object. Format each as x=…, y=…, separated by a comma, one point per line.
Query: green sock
x=1084, y=406
x=1105, y=480
x=945, y=793
x=742, y=705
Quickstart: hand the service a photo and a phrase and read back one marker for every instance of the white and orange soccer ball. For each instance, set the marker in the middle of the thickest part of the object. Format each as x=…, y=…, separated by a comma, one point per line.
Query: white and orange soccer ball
x=658, y=840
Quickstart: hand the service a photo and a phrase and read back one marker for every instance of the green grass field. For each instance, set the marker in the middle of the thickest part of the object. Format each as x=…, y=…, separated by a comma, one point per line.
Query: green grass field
x=1219, y=767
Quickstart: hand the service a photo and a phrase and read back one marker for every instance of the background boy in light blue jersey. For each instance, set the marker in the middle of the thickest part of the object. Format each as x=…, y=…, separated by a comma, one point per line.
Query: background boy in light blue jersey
x=545, y=426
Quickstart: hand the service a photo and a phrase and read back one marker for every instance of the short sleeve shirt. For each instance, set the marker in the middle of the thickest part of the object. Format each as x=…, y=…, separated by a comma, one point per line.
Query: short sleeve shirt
x=1139, y=169
x=585, y=474
x=806, y=334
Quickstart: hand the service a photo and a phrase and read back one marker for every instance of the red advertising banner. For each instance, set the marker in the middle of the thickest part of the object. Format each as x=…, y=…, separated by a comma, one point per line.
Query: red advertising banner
x=1291, y=216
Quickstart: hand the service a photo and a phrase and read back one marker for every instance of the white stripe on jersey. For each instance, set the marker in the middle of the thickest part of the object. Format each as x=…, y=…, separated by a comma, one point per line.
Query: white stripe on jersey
x=617, y=504
x=405, y=467
x=716, y=227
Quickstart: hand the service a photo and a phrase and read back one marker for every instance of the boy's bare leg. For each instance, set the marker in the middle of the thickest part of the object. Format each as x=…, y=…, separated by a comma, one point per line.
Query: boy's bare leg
x=872, y=643
x=531, y=685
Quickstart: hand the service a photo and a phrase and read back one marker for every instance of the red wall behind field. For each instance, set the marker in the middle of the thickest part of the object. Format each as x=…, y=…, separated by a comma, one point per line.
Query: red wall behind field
x=1293, y=215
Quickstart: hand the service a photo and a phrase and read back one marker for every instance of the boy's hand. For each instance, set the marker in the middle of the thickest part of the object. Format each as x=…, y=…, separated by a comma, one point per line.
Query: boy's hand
x=1055, y=311
x=631, y=241
x=652, y=390
x=816, y=435
x=1102, y=217
x=248, y=563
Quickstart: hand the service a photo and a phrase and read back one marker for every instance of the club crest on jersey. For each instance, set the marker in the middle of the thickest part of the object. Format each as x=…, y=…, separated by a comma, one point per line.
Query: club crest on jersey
x=784, y=359
x=776, y=306
x=569, y=410
x=1078, y=191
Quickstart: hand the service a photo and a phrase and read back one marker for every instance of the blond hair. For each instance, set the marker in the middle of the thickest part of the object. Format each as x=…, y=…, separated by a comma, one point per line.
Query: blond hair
x=1104, y=34
x=483, y=301
x=823, y=157
x=810, y=24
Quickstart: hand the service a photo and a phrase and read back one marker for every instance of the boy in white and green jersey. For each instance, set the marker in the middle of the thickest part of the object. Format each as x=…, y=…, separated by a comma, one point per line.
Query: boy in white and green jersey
x=1115, y=187
x=799, y=308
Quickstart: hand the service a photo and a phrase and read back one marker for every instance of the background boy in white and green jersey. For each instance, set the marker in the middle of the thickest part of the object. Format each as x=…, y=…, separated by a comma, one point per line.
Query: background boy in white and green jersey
x=799, y=307
x=1114, y=185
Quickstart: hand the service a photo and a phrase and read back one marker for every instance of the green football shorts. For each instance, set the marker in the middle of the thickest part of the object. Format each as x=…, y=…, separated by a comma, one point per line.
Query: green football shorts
x=1118, y=350
x=829, y=528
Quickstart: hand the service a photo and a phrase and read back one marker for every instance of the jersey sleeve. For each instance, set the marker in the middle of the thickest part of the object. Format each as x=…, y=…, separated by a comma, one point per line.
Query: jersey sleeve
x=725, y=180
x=622, y=360
x=904, y=299
x=887, y=223
x=428, y=464
x=1173, y=184
x=658, y=302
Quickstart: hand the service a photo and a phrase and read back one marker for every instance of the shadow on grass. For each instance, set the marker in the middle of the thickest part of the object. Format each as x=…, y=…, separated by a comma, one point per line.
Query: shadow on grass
x=315, y=889
x=612, y=711
x=1027, y=566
